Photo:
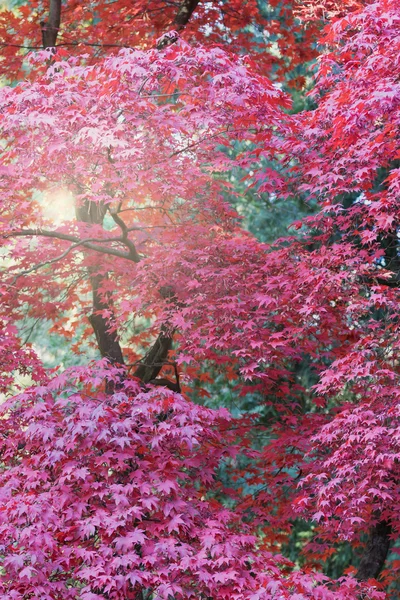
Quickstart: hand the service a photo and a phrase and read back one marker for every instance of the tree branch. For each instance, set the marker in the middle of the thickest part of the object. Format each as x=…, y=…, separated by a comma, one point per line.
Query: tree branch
x=102, y=318
x=130, y=245
x=152, y=363
x=66, y=44
x=106, y=336
x=46, y=262
x=184, y=13
x=87, y=243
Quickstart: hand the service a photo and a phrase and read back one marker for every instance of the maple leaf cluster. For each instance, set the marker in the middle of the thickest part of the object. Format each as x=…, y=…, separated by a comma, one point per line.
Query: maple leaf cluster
x=94, y=29
x=107, y=495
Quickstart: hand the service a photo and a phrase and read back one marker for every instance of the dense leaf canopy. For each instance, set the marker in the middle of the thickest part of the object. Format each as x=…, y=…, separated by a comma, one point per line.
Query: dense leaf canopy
x=128, y=143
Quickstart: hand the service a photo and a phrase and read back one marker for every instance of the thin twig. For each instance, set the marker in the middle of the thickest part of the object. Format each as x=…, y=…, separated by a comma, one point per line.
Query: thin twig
x=50, y=261
x=27, y=47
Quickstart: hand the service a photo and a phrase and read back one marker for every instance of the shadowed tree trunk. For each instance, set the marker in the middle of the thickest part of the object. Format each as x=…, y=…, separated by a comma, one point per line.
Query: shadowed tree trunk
x=375, y=553
x=154, y=360
x=51, y=27
x=106, y=336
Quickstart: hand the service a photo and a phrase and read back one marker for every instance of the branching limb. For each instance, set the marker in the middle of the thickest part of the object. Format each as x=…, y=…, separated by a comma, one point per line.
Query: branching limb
x=128, y=243
x=87, y=243
x=49, y=261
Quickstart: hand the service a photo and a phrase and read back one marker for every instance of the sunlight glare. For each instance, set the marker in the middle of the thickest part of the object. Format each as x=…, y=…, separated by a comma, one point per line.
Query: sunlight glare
x=58, y=205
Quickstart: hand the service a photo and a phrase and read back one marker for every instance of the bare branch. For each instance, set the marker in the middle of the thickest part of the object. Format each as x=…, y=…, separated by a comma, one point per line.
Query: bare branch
x=46, y=262
x=87, y=243
x=66, y=44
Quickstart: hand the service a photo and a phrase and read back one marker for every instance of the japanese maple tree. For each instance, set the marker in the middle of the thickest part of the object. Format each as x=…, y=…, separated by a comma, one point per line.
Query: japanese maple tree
x=272, y=33
x=115, y=223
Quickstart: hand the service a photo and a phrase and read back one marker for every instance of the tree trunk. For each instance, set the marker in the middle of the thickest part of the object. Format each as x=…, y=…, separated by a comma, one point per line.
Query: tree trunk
x=107, y=340
x=375, y=553
x=51, y=27
x=151, y=365
x=106, y=335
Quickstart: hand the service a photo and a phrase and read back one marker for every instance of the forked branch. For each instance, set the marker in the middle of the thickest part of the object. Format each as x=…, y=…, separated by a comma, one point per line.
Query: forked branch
x=86, y=242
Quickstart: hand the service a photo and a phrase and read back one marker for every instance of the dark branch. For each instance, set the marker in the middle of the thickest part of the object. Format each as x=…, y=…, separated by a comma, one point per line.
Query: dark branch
x=66, y=44
x=102, y=318
x=106, y=336
x=87, y=243
x=50, y=261
x=184, y=13
x=155, y=359
x=125, y=231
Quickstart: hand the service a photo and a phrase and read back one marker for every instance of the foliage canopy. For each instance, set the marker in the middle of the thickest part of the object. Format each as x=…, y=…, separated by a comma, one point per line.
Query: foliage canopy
x=118, y=226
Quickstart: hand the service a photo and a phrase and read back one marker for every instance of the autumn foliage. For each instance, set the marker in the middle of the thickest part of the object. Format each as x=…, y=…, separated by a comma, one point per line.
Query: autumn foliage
x=118, y=228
